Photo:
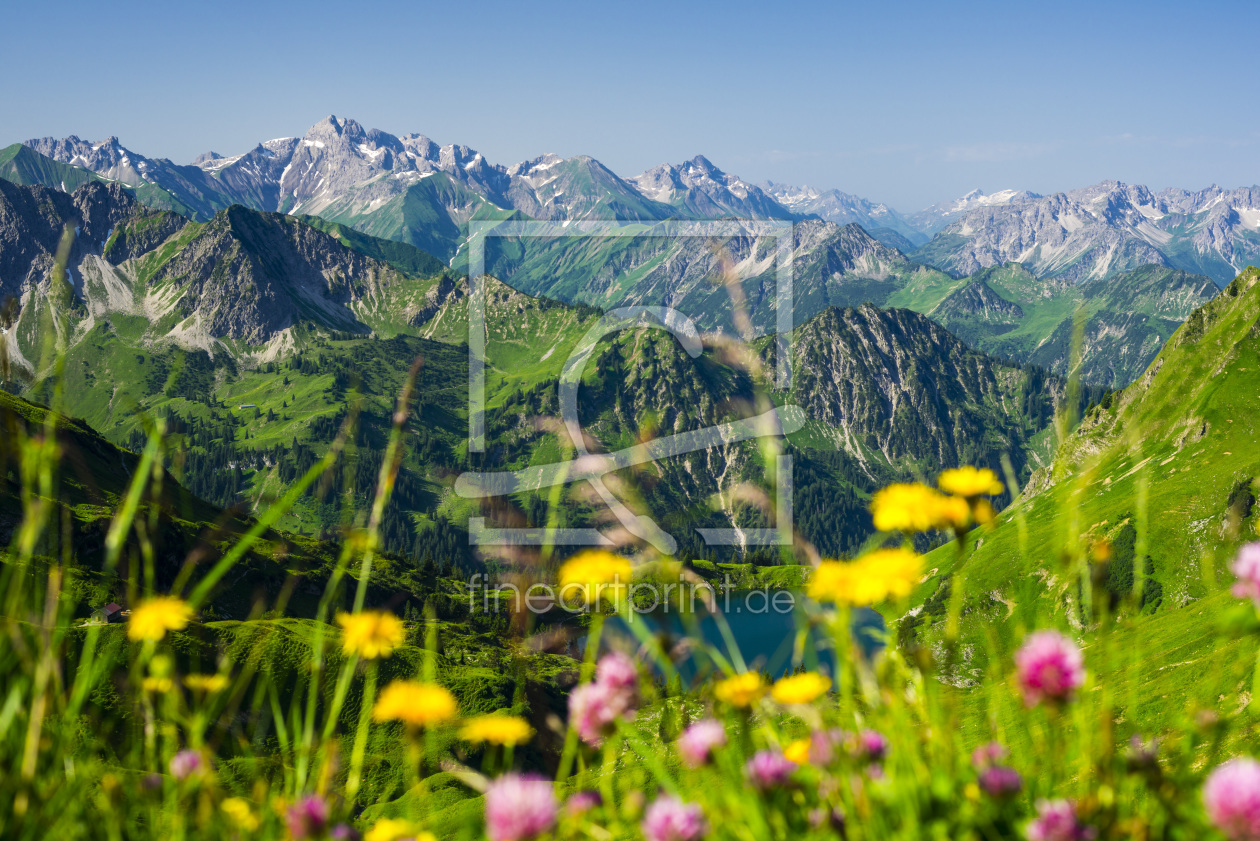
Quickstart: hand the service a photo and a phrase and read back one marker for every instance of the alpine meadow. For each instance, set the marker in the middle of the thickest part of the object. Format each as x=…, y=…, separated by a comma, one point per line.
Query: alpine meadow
x=357, y=486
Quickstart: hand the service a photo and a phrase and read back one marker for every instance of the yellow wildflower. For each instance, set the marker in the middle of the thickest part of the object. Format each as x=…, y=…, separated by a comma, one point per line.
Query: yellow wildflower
x=953, y=512
x=206, y=683
x=889, y=573
x=982, y=511
x=742, y=690
x=157, y=685
x=240, y=813
x=797, y=752
x=804, y=688
x=969, y=482
x=417, y=704
x=153, y=618
x=595, y=574
x=371, y=634
x=830, y=580
x=396, y=829
x=872, y=578
x=915, y=507
x=497, y=729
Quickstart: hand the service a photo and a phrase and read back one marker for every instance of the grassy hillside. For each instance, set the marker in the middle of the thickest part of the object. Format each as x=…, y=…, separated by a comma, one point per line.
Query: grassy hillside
x=23, y=165
x=1165, y=470
x=1123, y=320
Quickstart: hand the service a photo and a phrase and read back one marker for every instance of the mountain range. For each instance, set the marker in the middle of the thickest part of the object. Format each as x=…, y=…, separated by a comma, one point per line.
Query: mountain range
x=254, y=330
x=1075, y=250
x=1099, y=231
x=264, y=307
x=373, y=180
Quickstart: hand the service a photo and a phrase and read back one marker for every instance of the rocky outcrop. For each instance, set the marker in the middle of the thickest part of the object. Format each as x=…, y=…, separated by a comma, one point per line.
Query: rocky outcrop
x=248, y=275
x=34, y=219
x=932, y=219
x=977, y=303
x=1104, y=229
x=901, y=388
x=244, y=275
x=704, y=191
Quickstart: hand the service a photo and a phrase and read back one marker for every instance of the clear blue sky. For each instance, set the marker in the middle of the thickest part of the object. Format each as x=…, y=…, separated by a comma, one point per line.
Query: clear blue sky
x=907, y=103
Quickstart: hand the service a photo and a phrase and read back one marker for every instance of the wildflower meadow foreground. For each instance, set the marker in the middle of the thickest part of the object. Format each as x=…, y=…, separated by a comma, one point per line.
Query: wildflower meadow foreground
x=361, y=723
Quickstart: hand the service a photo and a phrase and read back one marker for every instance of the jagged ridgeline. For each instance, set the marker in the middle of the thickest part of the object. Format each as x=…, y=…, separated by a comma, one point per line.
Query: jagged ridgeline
x=1164, y=473
x=256, y=335
x=1102, y=230
x=1116, y=253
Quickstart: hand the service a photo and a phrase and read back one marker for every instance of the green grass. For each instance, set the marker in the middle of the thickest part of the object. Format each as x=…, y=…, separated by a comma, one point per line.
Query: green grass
x=23, y=165
x=293, y=720
x=1165, y=457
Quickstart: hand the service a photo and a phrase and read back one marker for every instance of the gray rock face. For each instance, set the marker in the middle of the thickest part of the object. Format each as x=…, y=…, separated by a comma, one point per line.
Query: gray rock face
x=901, y=387
x=932, y=219
x=707, y=192
x=31, y=222
x=249, y=275
x=244, y=275
x=1104, y=229
x=107, y=158
x=33, y=219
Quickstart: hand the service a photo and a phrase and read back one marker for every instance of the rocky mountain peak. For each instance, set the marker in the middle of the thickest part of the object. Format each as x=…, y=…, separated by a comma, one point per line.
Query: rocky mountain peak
x=845, y=209
x=704, y=189
x=704, y=165
x=101, y=207
x=789, y=194
x=458, y=155
x=332, y=128
x=536, y=166
x=419, y=146
x=1104, y=229
x=107, y=157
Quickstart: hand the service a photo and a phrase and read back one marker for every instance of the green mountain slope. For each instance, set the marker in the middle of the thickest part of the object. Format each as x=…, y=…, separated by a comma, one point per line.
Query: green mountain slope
x=1162, y=470
x=88, y=484
x=1126, y=318
x=832, y=265
x=431, y=214
x=24, y=166
x=256, y=336
x=183, y=192
x=582, y=188
x=246, y=426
